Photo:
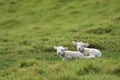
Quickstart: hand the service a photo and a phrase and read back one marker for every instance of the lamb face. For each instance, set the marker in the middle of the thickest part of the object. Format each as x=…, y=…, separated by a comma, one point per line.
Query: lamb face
x=80, y=45
x=60, y=50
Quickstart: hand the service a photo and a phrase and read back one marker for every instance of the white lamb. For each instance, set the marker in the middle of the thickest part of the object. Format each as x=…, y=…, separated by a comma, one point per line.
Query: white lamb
x=88, y=52
x=65, y=54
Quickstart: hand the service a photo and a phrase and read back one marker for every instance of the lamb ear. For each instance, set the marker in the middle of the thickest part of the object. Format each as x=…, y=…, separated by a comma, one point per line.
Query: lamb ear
x=86, y=45
x=55, y=47
x=74, y=43
x=66, y=48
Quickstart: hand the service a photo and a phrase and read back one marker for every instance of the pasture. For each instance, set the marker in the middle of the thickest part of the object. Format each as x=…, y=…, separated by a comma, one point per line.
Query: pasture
x=30, y=28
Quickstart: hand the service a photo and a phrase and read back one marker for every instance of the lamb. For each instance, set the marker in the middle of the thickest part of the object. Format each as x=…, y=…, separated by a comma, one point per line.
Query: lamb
x=64, y=53
x=88, y=52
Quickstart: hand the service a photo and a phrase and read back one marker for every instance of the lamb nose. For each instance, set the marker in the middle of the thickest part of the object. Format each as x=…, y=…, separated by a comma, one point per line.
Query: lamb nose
x=58, y=52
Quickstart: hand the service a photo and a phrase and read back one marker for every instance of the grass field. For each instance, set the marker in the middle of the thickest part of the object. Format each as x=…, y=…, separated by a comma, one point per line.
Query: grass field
x=30, y=28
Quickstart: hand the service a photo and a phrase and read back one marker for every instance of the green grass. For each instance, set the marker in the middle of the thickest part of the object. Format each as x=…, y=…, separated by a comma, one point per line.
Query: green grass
x=30, y=29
